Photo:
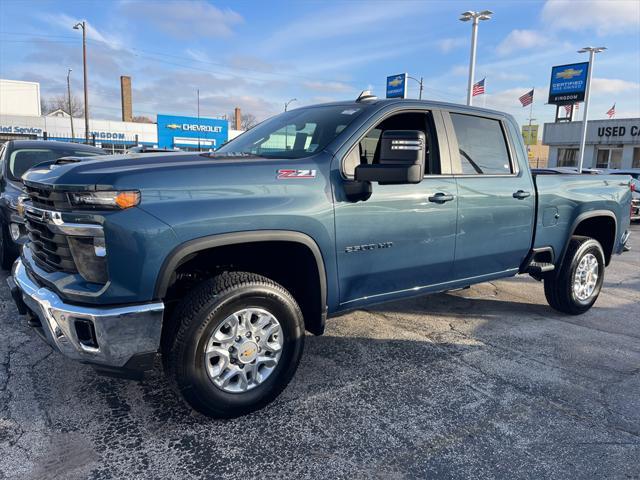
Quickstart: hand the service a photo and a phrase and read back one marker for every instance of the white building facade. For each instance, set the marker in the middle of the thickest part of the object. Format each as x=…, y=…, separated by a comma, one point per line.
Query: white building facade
x=20, y=98
x=611, y=143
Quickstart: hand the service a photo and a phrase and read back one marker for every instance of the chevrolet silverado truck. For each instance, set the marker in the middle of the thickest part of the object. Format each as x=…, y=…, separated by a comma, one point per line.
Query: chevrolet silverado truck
x=217, y=263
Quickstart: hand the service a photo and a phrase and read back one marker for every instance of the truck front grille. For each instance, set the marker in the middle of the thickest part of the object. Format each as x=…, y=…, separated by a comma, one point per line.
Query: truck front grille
x=46, y=198
x=50, y=250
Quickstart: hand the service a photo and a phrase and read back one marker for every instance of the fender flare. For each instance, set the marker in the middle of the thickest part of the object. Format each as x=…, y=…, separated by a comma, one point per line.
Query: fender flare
x=584, y=216
x=182, y=251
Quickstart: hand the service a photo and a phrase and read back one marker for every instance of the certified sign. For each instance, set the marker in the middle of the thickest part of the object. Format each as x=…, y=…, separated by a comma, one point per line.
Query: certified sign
x=397, y=86
x=568, y=83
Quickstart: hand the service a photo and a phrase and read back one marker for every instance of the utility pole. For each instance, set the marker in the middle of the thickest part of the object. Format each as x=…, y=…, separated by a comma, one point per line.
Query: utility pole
x=83, y=26
x=198, y=94
x=583, y=137
x=73, y=136
x=474, y=17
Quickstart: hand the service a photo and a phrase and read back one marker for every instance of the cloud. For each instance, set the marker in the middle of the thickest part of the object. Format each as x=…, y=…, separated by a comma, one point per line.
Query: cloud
x=613, y=85
x=328, y=86
x=606, y=17
x=346, y=20
x=447, y=44
x=67, y=22
x=180, y=19
x=522, y=39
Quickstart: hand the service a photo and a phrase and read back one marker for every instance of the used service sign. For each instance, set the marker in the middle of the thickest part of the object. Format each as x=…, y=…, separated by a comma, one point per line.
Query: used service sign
x=568, y=83
x=176, y=131
x=397, y=86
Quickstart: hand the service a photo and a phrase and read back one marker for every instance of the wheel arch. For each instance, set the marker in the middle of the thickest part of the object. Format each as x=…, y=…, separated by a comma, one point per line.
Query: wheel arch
x=601, y=225
x=187, y=251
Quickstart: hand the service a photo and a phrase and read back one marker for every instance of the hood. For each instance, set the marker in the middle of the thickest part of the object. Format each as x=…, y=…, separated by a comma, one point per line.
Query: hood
x=127, y=171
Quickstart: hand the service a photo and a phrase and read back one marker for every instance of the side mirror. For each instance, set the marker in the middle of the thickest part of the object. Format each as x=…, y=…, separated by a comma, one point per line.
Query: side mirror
x=402, y=159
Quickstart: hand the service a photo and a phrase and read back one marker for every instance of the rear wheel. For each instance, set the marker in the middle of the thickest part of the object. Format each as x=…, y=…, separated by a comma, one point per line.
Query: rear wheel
x=576, y=286
x=239, y=340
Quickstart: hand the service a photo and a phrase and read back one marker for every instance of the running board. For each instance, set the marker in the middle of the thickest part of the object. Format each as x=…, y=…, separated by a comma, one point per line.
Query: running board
x=536, y=268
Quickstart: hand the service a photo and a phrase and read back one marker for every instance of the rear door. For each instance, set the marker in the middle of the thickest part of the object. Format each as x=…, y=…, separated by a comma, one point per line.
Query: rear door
x=398, y=241
x=496, y=197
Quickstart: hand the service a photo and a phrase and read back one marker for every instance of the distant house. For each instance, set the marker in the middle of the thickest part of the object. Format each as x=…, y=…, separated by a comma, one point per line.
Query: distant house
x=58, y=113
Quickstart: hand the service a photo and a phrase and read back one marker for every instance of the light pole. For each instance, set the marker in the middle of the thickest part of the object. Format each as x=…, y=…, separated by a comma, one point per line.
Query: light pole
x=198, y=95
x=420, y=82
x=583, y=137
x=69, y=97
x=83, y=26
x=286, y=104
x=474, y=17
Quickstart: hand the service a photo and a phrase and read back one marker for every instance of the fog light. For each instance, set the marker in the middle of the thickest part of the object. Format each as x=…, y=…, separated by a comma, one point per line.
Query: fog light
x=15, y=231
x=90, y=265
x=99, y=247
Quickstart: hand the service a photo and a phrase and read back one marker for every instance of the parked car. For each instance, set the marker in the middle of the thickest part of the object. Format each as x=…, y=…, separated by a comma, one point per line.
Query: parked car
x=16, y=157
x=634, y=173
x=143, y=149
x=220, y=261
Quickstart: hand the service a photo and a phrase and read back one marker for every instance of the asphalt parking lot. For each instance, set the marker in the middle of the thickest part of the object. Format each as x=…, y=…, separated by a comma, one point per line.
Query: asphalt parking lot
x=487, y=382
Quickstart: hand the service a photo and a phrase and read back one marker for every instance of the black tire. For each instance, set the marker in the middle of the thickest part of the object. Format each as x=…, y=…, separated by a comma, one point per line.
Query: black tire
x=201, y=312
x=558, y=286
x=8, y=251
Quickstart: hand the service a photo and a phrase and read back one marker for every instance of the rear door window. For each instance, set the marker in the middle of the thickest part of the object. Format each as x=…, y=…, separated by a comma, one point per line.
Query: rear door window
x=481, y=145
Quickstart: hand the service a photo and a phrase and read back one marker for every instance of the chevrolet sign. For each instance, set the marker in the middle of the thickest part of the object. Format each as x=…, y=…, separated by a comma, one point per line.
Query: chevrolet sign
x=176, y=131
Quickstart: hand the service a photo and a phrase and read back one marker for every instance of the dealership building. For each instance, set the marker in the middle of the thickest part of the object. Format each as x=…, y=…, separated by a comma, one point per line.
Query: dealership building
x=611, y=143
x=21, y=118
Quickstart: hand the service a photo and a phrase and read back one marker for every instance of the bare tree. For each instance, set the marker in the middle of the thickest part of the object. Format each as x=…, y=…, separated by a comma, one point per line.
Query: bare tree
x=141, y=119
x=61, y=102
x=247, y=120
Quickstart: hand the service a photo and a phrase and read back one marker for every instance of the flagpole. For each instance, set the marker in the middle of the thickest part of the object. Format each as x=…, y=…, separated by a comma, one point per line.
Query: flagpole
x=531, y=115
x=484, y=100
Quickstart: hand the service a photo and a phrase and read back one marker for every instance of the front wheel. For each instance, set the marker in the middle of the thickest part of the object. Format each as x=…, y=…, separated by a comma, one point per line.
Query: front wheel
x=8, y=251
x=239, y=340
x=576, y=286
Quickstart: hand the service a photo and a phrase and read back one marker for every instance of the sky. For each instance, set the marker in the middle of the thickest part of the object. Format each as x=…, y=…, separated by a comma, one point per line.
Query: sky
x=257, y=55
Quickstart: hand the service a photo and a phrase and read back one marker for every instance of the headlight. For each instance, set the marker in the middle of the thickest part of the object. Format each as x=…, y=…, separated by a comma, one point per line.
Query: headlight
x=115, y=200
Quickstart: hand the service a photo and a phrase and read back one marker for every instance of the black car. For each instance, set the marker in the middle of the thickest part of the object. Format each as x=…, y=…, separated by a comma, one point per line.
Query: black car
x=16, y=157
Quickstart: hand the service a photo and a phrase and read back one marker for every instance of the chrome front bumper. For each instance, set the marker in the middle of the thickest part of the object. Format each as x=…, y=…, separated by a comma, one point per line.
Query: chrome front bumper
x=110, y=337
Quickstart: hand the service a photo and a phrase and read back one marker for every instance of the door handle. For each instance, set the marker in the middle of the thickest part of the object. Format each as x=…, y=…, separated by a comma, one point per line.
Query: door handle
x=440, y=198
x=521, y=194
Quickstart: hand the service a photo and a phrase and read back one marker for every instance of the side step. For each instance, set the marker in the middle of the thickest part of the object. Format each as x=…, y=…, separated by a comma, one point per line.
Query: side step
x=536, y=268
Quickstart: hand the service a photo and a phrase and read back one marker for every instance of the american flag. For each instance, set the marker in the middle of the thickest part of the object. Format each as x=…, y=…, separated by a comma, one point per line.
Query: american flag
x=612, y=111
x=478, y=88
x=527, y=98
x=567, y=108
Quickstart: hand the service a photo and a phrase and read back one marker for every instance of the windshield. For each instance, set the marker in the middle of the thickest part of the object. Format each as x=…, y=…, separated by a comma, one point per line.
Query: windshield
x=295, y=134
x=22, y=159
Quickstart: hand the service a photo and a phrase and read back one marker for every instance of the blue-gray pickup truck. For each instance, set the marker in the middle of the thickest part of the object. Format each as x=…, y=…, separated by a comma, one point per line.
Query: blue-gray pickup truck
x=218, y=263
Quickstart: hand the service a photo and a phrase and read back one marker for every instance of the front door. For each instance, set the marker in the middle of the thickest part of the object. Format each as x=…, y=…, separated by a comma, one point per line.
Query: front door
x=402, y=238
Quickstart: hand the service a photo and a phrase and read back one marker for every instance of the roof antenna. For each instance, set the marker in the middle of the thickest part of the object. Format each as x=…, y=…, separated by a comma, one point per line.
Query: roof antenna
x=365, y=96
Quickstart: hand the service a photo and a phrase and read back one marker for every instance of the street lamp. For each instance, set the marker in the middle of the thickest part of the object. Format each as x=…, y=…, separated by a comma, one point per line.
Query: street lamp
x=82, y=25
x=69, y=97
x=420, y=82
x=583, y=137
x=470, y=15
x=286, y=105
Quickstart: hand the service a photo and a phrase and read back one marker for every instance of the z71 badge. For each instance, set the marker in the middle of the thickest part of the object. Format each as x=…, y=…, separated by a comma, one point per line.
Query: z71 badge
x=290, y=173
